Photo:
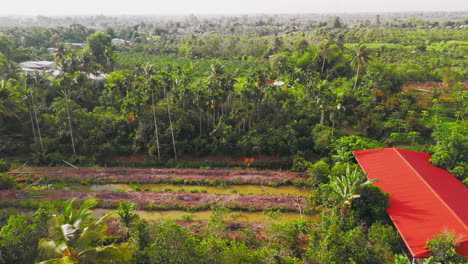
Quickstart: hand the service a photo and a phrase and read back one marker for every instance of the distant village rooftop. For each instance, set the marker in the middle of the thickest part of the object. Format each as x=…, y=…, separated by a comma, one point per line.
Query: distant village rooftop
x=31, y=66
x=49, y=67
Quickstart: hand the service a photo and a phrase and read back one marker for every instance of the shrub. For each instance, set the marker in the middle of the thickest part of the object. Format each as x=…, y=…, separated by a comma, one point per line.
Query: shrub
x=47, y=159
x=135, y=187
x=7, y=181
x=82, y=160
x=88, y=181
x=300, y=164
x=209, y=182
x=4, y=166
x=187, y=217
x=442, y=247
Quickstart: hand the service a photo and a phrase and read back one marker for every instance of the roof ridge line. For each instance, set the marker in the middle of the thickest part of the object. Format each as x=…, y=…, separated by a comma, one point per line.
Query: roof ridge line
x=430, y=187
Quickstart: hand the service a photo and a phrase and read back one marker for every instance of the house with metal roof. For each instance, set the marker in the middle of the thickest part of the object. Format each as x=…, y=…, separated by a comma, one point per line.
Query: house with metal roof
x=424, y=200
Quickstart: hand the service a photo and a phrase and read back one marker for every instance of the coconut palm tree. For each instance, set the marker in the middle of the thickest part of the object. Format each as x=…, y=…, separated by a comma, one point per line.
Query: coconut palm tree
x=11, y=70
x=324, y=52
x=61, y=52
x=68, y=82
x=276, y=45
x=360, y=60
x=168, y=82
x=147, y=72
x=86, y=62
x=75, y=236
x=35, y=83
x=67, y=94
x=10, y=100
x=347, y=186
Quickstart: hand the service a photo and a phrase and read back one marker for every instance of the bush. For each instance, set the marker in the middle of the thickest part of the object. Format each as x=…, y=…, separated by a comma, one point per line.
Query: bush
x=371, y=206
x=319, y=172
x=7, y=182
x=442, y=247
x=47, y=159
x=300, y=164
x=82, y=160
x=4, y=166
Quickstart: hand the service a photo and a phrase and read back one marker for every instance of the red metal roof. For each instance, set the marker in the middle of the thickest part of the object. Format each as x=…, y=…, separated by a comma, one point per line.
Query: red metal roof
x=424, y=200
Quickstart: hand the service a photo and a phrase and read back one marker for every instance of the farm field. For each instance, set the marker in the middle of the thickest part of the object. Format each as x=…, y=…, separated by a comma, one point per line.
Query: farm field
x=197, y=190
x=148, y=176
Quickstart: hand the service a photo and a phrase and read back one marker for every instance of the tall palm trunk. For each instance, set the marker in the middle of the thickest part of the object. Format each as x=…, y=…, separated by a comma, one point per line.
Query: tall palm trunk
x=155, y=125
x=200, y=121
x=208, y=119
x=214, y=118
x=170, y=125
x=323, y=67
x=32, y=124
x=357, y=77
x=332, y=117
x=199, y=115
x=322, y=116
x=37, y=122
x=69, y=123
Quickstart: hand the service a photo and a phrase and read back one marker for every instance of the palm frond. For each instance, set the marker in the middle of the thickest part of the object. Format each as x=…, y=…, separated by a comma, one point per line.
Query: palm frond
x=49, y=248
x=108, y=254
x=64, y=260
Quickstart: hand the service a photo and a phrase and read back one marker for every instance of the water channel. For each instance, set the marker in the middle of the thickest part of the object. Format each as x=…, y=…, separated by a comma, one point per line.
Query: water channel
x=260, y=217
x=232, y=189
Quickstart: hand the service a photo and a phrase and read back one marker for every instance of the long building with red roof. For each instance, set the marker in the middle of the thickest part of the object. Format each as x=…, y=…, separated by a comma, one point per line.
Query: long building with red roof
x=424, y=200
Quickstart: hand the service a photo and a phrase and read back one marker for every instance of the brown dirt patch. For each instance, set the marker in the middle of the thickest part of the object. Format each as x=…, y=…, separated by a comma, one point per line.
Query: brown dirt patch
x=423, y=92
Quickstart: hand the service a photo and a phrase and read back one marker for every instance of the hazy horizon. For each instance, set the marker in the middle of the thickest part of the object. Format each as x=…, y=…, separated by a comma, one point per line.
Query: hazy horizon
x=182, y=7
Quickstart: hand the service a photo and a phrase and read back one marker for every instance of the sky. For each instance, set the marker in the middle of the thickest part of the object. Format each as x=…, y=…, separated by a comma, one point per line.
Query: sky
x=147, y=7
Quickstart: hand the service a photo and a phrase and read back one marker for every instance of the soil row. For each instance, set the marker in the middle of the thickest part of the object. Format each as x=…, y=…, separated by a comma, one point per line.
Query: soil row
x=165, y=200
x=125, y=175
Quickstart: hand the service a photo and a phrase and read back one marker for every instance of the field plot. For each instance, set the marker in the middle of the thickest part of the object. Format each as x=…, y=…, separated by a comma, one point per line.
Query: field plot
x=174, y=191
x=121, y=175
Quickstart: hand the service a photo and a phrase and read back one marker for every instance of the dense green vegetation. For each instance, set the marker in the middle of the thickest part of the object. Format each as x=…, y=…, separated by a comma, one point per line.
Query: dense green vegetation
x=193, y=89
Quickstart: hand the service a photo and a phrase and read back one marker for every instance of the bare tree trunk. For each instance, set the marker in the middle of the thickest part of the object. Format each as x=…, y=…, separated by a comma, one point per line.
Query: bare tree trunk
x=37, y=122
x=69, y=123
x=155, y=125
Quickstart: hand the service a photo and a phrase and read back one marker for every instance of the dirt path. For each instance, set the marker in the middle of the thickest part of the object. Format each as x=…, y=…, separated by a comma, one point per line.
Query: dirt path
x=123, y=175
x=169, y=200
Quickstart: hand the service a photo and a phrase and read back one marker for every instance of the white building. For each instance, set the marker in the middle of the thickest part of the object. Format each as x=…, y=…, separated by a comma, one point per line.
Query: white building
x=31, y=66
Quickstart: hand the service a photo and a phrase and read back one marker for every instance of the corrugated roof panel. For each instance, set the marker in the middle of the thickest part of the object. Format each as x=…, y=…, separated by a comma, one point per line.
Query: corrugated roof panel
x=424, y=200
